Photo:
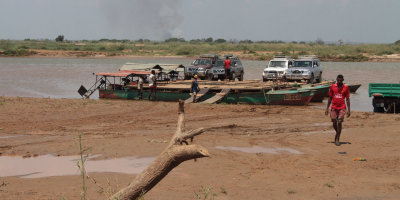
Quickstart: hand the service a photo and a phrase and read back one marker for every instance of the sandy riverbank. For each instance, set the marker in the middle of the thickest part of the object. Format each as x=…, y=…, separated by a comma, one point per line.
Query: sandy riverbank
x=308, y=165
x=40, y=53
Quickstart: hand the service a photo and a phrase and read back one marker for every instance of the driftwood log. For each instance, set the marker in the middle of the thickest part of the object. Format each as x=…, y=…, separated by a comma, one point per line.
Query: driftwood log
x=177, y=151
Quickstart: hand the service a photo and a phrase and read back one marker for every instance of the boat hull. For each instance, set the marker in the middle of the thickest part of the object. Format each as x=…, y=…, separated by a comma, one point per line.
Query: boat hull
x=320, y=92
x=289, y=97
x=234, y=97
x=353, y=87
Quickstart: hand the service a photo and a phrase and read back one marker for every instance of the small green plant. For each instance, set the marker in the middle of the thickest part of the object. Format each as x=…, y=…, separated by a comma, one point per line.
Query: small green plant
x=81, y=166
x=141, y=197
x=3, y=185
x=329, y=185
x=291, y=192
x=205, y=193
x=223, y=190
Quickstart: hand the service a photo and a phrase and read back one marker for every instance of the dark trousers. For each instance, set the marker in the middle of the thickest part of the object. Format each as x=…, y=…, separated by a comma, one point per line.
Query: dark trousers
x=227, y=72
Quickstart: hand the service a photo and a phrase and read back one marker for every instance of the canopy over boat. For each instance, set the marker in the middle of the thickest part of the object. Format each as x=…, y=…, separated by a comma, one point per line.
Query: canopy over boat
x=124, y=73
x=166, y=68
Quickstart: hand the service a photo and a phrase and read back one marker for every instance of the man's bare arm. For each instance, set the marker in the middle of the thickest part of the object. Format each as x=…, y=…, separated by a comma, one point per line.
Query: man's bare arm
x=348, y=106
x=327, y=106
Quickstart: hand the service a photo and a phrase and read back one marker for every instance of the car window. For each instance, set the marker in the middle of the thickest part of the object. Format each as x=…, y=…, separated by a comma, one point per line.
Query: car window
x=277, y=64
x=202, y=62
x=302, y=63
x=219, y=63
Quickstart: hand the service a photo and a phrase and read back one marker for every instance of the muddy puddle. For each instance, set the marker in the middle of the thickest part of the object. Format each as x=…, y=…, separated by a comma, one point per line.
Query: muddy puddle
x=10, y=136
x=51, y=165
x=258, y=149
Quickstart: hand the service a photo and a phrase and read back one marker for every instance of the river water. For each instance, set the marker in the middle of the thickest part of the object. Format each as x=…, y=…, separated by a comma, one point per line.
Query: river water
x=61, y=77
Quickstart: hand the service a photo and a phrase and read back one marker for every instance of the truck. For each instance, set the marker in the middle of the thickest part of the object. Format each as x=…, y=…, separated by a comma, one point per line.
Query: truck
x=211, y=67
x=306, y=67
x=277, y=67
x=386, y=97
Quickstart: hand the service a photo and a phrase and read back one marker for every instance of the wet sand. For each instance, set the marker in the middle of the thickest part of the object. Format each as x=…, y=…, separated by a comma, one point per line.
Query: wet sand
x=258, y=152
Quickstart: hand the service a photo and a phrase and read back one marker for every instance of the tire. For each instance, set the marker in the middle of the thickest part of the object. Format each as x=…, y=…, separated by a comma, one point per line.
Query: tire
x=320, y=78
x=241, y=76
x=232, y=77
x=379, y=109
x=209, y=77
x=311, y=80
x=389, y=108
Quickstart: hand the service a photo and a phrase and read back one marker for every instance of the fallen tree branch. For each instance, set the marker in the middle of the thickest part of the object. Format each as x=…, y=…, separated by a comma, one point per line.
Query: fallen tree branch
x=174, y=154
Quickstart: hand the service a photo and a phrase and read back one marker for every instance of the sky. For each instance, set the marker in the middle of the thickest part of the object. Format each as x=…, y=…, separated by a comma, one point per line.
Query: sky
x=360, y=21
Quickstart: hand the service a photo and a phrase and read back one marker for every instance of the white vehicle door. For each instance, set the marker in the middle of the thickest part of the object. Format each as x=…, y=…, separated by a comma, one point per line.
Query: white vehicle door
x=317, y=69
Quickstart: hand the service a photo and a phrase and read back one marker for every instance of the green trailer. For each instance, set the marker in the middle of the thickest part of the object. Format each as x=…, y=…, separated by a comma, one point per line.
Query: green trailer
x=386, y=97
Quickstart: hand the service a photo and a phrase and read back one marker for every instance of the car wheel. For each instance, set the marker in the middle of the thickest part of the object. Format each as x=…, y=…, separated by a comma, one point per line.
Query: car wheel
x=311, y=80
x=233, y=77
x=210, y=77
x=319, y=80
x=241, y=76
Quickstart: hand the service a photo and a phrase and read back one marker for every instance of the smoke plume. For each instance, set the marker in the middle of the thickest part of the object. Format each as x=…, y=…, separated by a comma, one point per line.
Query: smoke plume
x=144, y=19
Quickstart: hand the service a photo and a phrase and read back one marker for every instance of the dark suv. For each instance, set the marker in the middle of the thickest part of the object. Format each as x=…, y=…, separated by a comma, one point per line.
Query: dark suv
x=211, y=67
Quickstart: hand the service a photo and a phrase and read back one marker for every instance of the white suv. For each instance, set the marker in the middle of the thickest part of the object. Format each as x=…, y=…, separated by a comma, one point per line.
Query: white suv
x=277, y=67
x=305, y=68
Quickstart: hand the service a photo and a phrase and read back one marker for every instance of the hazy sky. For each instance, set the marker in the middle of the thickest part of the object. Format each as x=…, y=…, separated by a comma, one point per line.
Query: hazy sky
x=368, y=21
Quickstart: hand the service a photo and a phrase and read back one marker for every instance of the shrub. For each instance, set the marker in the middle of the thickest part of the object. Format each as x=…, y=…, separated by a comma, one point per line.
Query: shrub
x=353, y=58
x=60, y=38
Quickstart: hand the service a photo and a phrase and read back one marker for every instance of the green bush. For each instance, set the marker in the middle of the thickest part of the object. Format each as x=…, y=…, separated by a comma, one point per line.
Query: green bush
x=17, y=52
x=353, y=58
x=60, y=38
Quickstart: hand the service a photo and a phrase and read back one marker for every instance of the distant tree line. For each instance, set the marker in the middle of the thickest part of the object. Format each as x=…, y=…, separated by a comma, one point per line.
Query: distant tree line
x=318, y=41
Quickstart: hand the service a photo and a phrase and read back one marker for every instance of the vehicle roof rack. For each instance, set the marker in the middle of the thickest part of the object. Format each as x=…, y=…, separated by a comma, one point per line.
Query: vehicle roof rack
x=307, y=56
x=209, y=56
x=230, y=56
x=283, y=56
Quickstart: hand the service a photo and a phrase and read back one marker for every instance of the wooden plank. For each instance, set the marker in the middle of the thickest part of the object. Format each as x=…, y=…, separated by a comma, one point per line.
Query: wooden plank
x=217, y=97
x=201, y=93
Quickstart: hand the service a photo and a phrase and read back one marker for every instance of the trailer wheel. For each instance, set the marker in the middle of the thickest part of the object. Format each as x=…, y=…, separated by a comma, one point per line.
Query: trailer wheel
x=379, y=109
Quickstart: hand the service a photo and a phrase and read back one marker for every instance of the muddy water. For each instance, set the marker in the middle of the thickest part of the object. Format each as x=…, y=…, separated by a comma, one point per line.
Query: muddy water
x=50, y=165
x=61, y=77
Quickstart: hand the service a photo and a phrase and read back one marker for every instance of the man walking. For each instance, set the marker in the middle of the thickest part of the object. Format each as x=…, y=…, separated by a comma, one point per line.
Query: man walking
x=339, y=96
x=153, y=85
x=227, y=64
x=194, y=88
x=140, y=86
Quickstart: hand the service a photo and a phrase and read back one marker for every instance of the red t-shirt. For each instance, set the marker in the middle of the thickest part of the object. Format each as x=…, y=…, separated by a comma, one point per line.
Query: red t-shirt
x=227, y=63
x=338, y=96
